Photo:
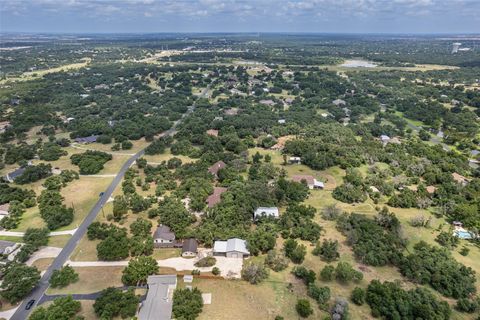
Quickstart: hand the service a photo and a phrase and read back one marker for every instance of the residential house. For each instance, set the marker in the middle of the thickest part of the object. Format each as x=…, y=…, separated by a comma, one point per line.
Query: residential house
x=164, y=237
x=266, y=212
x=295, y=160
x=312, y=183
x=268, y=102
x=4, y=210
x=159, y=301
x=282, y=121
x=460, y=179
x=232, y=248
x=217, y=166
x=189, y=247
x=384, y=138
x=339, y=102
x=7, y=247
x=86, y=140
x=215, y=197
x=10, y=177
x=212, y=132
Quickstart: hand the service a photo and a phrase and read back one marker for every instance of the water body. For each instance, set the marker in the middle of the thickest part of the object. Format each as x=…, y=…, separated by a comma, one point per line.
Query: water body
x=358, y=64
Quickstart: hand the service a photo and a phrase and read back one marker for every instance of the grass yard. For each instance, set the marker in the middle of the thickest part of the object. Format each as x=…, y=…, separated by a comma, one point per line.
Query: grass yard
x=165, y=253
x=92, y=279
x=58, y=241
x=43, y=264
x=167, y=155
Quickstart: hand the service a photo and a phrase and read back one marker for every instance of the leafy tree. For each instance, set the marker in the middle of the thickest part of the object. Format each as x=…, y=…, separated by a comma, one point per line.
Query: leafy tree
x=447, y=239
x=62, y=308
x=308, y=276
x=187, y=304
x=91, y=161
x=349, y=193
x=114, y=247
x=173, y=214
x=120, y=207
x=303, y=308
x=141, y=227
x=18, y=281
x=141, y=245
x=345, y=273
x=63, y=277
x=36, y=237
x=297, y=222
x=276, y=261
x=320, y=294
x=51, y=151
x=114, y=302
x=138, y=270
x=294, y=251
x=467, y=305
x=34, y=173
x=254, y=272
x=328, y=250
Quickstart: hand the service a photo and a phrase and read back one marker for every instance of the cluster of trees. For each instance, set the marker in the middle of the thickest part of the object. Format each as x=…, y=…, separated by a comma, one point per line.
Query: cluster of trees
x=91, y=161
x=19, y=199
x=187, y=303
x=53, y=211
x=63, y=277
x=18, y=280
x=61, y=308
x=114, y=302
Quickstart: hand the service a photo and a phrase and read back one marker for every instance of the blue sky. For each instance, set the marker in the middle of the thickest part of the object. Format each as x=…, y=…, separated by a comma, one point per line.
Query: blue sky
x=344, y=16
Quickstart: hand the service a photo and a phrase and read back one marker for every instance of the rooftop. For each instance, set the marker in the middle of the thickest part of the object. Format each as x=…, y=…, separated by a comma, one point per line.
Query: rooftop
x=216, y=167
x=233, y=244
x=158, y=304
x=164, y=232
x=215, y=197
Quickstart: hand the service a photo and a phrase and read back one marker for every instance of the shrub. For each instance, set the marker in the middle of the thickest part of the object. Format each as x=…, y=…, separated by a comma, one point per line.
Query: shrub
x=358, y=296
x=464, y=251
x=187, y=303
x=294, y=251
x=303, y=308
x=467, y=305
x=345, y=273
x=327, y=273
x=320, y=294
x=276, y=261
x=206, y=262
x=308, y=276
x=215, y=271
x=340, y=309
x=328, y=250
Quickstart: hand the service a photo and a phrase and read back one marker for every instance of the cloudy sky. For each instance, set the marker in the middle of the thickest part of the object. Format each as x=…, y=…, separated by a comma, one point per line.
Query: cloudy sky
x=350, y=16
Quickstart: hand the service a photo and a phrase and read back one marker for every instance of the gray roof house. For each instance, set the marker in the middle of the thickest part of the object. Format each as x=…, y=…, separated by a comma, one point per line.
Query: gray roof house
x=159, y=301
x=189, y=247
x=339, y=102
x=232, y=248
x=163, y=237
x=7, y=247
x=266, y=212
x=10, y=177
x=86, y=140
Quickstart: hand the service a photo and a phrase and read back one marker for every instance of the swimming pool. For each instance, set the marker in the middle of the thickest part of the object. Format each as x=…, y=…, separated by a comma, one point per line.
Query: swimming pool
x=463, y=234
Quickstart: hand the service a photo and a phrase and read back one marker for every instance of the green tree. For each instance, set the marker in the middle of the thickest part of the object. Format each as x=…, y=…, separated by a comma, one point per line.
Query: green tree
x=64, y=308
x=18, y=281
x=358, y=296
x=63, y=277
x=254, y=272
x=141, y=227
x=36, y=237
x=114, y=302
x=328, y=250
x=345, y=273
x=138, y=270
x=303, y=308
x=187, y=304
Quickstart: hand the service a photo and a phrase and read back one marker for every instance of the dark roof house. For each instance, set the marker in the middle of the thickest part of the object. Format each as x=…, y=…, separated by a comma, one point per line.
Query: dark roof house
x=163, y=234
x=89, y=139
x=189, y=247
x=217, y=166
x=215, y=197
x=10, y=177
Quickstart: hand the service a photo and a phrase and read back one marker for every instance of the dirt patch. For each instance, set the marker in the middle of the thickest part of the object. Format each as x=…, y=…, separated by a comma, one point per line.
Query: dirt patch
x=330, y=182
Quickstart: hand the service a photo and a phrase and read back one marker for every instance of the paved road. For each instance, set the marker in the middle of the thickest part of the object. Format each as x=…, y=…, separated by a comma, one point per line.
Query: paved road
x=39, y=291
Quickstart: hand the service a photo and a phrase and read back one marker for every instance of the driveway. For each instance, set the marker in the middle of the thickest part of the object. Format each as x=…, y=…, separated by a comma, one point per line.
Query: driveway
x=229, y=267
x=20, y=234
x=44, y=252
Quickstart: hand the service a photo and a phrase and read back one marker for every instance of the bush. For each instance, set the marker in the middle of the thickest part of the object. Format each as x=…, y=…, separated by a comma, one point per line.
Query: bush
x=63, y=277
x=215, y=271
x=464, y=251
x=340, y=309
x=254, y=272
x=466, y=305
x=308, y=276
x=327, y=273
x=303, y=308
x=276, y=261
x=206, y=262
x=294, y=251
x=328, y=250
x=320, y=294
x=447, y=239
x=345, y=273
x=331, y=212
x=358, y=296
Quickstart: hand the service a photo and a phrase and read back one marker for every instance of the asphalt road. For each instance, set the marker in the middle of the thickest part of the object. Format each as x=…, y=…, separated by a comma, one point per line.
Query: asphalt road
x=39, y=291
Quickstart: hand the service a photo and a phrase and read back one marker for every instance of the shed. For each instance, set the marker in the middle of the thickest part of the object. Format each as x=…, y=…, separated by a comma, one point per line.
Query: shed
x=266, y=212
x=189, y=248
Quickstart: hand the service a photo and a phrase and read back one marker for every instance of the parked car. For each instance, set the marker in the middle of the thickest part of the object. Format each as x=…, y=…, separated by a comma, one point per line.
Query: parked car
x=29, y=304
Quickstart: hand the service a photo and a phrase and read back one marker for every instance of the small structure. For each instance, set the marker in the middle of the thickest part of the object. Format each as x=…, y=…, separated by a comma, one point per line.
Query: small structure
x=431, y=189
x=189, y=248
x=159, y=301
x=7, y=247
x=457, y=224
x=215, y=197
x=339, y=102
x=10, y=177
x=188, y=278
x=295, y=160
x=231, y=111
x=460, y=179
x=4, y=210
x=86, y=140
x=261, y=212
x=232, y=248
x=311, y=182
x=163, y=237
x=384, y=138
x=212, y=132
x=268, y=102
x=282, y=121
x=217, y=166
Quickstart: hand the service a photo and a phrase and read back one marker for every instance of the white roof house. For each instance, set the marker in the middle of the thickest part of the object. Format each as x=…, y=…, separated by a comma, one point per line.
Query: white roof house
x=266, y=212
x=384, y=138
x=232, y=248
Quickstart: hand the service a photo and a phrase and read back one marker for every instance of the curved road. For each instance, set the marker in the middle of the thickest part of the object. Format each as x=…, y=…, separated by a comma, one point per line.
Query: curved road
x=39, y=291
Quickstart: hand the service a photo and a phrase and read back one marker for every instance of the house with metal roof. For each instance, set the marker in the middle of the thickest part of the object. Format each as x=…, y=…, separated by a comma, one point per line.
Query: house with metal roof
x=86, y=140
x=266, y=212
x=159, y=302
x=10, y=177
x=232, y=248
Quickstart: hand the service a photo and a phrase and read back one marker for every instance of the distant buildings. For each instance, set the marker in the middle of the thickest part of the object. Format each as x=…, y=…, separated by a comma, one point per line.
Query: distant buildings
x=86, y=140
x=212, y=132
x=295, y=160
x=10, y=177
x=217, y=166
x=266, y=212
x=339, y=102
x=455, y=47
x=311, y=182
